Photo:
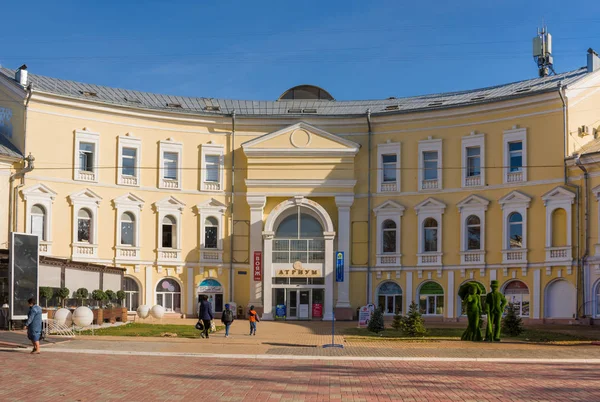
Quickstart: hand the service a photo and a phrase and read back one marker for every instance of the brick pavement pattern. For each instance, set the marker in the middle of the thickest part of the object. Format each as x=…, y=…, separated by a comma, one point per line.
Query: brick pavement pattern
x=80, y=377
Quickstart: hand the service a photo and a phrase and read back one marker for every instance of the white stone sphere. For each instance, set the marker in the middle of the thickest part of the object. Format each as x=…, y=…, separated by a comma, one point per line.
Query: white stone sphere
x=157, y=311
x=143, y=311
x=64, y=317
x=83, y=316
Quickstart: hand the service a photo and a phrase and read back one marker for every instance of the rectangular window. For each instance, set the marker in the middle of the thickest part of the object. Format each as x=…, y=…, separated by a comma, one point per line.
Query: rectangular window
x=127, y=233
x=128, y=162
x=430, y=165
x=212, y=168
x=86, y=156
x=167, y=236
x=83, y=230
x=210, y=237
x=473, y=161
x=515, y=152
x=170, y=160
x=430, y=240
x=389, y=241
x=389, y=167
x=37, y=226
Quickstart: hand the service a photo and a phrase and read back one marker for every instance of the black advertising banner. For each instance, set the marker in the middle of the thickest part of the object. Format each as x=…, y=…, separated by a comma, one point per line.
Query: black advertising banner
x=24, y=273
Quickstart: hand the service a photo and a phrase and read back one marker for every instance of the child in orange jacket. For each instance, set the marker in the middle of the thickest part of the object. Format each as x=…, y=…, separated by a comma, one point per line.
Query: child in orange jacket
x=253, y=318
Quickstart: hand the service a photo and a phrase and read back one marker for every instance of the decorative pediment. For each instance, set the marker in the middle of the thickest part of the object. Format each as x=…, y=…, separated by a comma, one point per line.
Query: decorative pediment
x=515, y=198
x=129, y=199
x=473, y=201
x=430, y=205
x=389, y=208
x=212, y=205
x=300, y=139
x=85, y=196
x=38, y=191
x=559, y=194
x=171, y=203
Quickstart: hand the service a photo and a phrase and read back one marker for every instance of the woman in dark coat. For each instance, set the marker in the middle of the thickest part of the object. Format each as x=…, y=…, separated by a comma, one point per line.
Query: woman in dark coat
x=34, y=325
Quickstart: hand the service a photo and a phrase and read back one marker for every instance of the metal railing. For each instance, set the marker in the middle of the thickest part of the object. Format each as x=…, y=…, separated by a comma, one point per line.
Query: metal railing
x=303, y=250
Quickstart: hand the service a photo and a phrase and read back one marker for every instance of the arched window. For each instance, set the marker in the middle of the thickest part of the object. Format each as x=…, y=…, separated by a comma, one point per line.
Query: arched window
x=389, y=297
x=517, y=293
x=299, y=237
x=515, y=230
x=389, y=236
x=169, y=232
x=559, y=228
x=84, y=226
x=307, y=227
x=38, y=222
x=132, y=294
x=431, y=299
x=128, y=229
x=430, y=235
x=168, y=295
x=473, y=233
x=211, y=229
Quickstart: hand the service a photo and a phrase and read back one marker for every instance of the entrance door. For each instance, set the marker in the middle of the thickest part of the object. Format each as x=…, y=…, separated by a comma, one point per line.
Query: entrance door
x=304, y=304
x=292, y=304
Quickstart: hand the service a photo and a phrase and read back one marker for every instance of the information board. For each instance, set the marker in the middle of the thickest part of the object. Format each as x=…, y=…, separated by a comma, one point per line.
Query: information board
x=24, y=263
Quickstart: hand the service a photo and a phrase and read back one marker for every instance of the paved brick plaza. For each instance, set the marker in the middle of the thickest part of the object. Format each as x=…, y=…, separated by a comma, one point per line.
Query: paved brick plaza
x=81, y=377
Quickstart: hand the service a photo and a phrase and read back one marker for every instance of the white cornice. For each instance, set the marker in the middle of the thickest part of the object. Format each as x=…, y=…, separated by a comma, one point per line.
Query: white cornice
x=300, y=183
x=295, y=152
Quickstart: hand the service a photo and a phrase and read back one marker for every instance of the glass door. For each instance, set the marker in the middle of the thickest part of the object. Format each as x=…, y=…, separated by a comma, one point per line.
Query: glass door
x=292, y=305
x=303, y=307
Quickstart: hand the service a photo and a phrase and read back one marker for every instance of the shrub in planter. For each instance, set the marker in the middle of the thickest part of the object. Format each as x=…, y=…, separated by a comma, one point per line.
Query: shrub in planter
x=110, y=296
x=81, y=294
x=99, y=295
x=46, y=293
x=63, y=293
x=120, y=297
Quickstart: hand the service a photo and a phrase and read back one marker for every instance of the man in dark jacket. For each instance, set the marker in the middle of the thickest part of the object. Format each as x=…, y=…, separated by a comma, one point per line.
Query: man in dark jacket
x=205, y=314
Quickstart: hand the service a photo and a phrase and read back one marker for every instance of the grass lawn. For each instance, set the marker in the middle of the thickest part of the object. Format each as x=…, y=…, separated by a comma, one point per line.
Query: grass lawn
x=530, y=335
x=182, y=331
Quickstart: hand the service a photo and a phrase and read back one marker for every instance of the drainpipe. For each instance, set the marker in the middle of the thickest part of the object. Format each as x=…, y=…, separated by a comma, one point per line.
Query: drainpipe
x=369, y=213
x=13, y=216
x=585, y=230
x=231, y=273
x=561, y=89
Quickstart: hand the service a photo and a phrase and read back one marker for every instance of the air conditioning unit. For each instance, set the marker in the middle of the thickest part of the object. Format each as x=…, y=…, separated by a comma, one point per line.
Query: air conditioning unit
x=583, y=131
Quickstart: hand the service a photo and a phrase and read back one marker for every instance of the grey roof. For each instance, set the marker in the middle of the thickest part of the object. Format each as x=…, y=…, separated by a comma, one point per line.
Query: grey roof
x=8, y=149
x=212, y=106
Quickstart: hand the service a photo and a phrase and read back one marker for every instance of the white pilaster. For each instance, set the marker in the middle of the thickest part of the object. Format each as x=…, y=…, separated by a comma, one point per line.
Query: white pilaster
x=191, y=296
x=492, y=275
x=536, y=293
x=257, y=205
x=267, y=277
x=329, y=276
x=343, y=204
x=408, y=291
x=149, y=286
x=450, y=295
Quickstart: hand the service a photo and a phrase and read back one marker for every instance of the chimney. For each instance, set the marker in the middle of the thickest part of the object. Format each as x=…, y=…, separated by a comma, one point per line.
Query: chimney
x=593, y=61
x=21, y=75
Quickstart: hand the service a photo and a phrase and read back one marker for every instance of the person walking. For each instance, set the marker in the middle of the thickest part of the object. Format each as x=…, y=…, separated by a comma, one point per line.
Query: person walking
x=227, y=319
x=253, y=318
x=205, y=314
x=34, y=325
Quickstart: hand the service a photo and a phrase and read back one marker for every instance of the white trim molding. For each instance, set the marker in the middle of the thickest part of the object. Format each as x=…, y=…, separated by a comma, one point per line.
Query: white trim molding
x=388, y=148
x=44, y=196
x=515, y=135
x=473, y=205
x=473, y=141
x=211, y=149
x=430, y=208
x=515, y=201
x=87, y=137
x=215, y=209
x=170, y=145
x=132, y=204
x=134, y=143
x=85, y=251
x=392, y=211
x=428, y=146
x=596, y=192
x=169, y=206
x=559, y=198
x=300, y=183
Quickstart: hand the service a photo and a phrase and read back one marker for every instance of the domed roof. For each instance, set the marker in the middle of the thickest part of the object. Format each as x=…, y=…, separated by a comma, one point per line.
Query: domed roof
x=308, y=92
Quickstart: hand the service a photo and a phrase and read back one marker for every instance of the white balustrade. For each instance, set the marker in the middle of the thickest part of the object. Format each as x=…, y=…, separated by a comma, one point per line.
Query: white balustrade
x=129, y=180
x=472, y=181
x=430, y=184
x=514, y=177
x=85, y=175
x=385, y=187
x=212, y=186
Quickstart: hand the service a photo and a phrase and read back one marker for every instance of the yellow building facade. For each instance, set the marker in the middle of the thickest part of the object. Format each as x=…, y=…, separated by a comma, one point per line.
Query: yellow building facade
x=250, y=202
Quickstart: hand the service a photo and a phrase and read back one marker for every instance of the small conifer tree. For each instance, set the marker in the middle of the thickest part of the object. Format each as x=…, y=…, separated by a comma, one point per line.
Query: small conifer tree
x=397, y=323
x=412, y=324
x=512, y=325
x=376, y=322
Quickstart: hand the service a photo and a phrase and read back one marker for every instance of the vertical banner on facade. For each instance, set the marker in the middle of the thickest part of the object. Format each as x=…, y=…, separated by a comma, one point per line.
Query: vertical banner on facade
x=339, y=266
x=258, y=265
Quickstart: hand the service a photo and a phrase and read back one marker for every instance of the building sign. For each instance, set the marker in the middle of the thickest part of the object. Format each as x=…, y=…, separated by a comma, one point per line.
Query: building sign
x=258, y=265
x=364, y=315
x=6, y=127
x=280, y=312
x=209, y=286
x=339, y=266
x=317, y=310
x=298, y=271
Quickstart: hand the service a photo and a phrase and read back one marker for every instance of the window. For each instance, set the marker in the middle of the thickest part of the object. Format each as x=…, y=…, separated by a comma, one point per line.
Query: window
x=389, y=298
x=431, y=299
x=515, y=230
x=130, y=152
x=515, y=155
x=38, y=222
x=517, y=293
x=212, y=168
x=170, y=162
x=86, y=157
x=132, y=294
x=211, y=159
x=127, y=229
x=168, y=295
x=389, y=236
x=168, y=231
x=473, y=233
x=389, y=168
x=430, y=235
x=388, y=176
x=128, y=162
x=473, y=161
x=430, y=165
x=84, y=226
x=515, y=150
x=87, y=146
x=211, y=226
x=299, y=237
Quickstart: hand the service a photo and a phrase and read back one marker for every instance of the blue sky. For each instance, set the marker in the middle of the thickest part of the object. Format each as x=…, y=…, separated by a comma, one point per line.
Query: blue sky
x=256, y=50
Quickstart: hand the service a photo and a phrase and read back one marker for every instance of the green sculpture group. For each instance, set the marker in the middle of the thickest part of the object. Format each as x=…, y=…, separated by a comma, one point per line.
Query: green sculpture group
x=494, y=305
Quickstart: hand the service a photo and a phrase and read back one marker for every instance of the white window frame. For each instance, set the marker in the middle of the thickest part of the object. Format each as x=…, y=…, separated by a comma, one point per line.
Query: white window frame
x=472, y=205
x=212, y=150
x=559, y=198
x=44, y=196
x=175, y=147
x=134, y=143
x=216, y=209
x=515, y=135
x=132, y=204
x=515, y=201
x=173, y=207
x=430, y=208
x=473, y=141
x=426, y=146
x=389, y=148
x=92, y=138
x=393, y=211
x=91, y=201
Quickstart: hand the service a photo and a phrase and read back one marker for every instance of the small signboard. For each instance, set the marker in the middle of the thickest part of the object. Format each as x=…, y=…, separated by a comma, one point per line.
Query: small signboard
x=280, y=312
x=364, y=315
x=257, y=266
x=317, y=310
x=24, y=263
x=339, y=266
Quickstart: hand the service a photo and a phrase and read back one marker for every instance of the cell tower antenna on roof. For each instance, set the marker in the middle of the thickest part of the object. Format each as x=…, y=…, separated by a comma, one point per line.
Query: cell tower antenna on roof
x=542, y=52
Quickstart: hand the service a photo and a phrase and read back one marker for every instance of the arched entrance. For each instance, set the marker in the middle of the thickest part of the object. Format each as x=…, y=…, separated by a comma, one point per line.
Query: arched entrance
x=560, y=300
x=214, y=290
x=517, y=293
x=298, y=261
x=389, y=298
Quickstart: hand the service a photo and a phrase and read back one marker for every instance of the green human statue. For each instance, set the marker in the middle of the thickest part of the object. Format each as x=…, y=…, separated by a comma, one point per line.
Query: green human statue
x=473, y=303
x=495, y=302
